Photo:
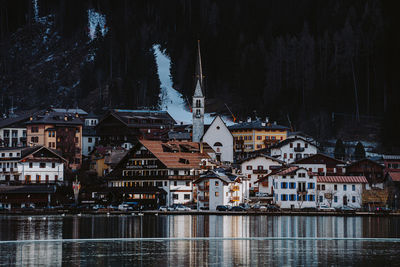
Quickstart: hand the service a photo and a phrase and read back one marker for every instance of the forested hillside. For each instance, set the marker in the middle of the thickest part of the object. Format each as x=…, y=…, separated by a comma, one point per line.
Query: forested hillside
x=322, y=66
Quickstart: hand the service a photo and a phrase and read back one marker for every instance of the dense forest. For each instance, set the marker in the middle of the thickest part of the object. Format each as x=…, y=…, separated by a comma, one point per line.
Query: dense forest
x=328, y=68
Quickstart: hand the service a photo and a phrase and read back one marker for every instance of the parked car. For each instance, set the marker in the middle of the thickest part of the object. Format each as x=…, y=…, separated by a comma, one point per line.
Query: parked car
x=125, y=207
x=238, y=208
x=163, y=208
x=97, y=207
x=204, y=208
x=263, y=208
x=182, y=208
x=325, y=208
x=346, y=209
x=222, y=208
x=308, y=209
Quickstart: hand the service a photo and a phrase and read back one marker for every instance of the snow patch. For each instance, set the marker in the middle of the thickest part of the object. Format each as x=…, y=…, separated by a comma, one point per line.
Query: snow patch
x=170, y=99
x=35, y=10
x=96, y=19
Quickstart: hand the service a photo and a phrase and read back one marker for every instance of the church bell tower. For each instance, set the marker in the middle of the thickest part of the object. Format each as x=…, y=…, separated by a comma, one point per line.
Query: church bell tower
x=198, y=101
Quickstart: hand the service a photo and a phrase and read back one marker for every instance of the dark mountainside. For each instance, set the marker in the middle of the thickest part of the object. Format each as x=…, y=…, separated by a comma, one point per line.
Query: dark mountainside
x=328, y=67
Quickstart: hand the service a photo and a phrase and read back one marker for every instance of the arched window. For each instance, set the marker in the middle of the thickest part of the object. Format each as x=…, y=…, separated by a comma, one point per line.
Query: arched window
x=217, y=144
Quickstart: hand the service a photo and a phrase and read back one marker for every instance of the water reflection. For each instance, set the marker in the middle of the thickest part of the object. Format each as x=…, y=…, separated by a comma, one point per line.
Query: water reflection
x=196, y=252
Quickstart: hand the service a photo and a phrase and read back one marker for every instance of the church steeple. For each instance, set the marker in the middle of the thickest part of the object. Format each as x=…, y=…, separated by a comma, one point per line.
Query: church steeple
x=198, y=101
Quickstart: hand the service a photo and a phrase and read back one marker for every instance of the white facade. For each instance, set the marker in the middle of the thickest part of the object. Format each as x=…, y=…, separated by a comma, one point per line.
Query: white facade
x=220, y=139
x=294, y=188
x=293, y=149
x=9, y=165
x=337, y=195
x=13, y=137
x=254, y=168
x=213, y=192
x=89, y=144
x=42, y=172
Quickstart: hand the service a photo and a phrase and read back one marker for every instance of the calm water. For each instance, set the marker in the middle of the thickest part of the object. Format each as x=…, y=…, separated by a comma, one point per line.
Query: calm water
x=198, y=240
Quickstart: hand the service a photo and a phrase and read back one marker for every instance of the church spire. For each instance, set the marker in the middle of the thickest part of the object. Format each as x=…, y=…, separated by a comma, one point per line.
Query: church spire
x=199, y=68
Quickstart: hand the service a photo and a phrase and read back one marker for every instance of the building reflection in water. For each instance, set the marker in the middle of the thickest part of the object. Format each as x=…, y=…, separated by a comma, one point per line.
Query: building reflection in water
x=187, y=252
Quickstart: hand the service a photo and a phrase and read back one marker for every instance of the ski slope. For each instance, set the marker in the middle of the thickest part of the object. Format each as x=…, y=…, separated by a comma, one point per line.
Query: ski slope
x=170, y=99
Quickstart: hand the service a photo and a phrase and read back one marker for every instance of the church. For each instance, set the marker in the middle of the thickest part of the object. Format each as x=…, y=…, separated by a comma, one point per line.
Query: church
x=217, y=134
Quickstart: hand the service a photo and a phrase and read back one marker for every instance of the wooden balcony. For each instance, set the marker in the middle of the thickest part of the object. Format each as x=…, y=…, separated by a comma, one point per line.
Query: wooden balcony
x=260, y=171
x=234, y=188
x=235, y=198
x=299, y=149
x=203, y=188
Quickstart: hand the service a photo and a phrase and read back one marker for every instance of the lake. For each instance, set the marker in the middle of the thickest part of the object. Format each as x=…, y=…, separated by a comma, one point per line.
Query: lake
x=193, y=240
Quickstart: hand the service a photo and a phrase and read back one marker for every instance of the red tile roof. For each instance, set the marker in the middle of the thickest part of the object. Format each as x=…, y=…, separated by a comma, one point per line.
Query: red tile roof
x=395, y=176
x=342, y=179
x=186, y=155
x=287, y=171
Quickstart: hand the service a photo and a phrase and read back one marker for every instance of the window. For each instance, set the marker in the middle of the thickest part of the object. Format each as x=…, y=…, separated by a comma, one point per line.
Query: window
x=318, y=187
x=321, y=198
x=165, y=183
x=273, y=137
x=55, y=178
x=353, y=199
x=216, y=183
x=323, y=187
x=284, y=155
x=27, y=179
x=344, y=187
x=335, y=199
x=291, y=145
x=175, y=183
x=259, y=138
x=284, y=177
x=310, y=185
x=353, y=187
x=37, y=179
x=335, y=187
x=259, y=146
x=283, y=185
x=283, y=197
x=159, y=184
x=175, y=196
x=187, y=183
x=292, y=197
x=291, y=155
x=292, y=185
x=249, y=167
x=186, y=196
x=90, y=139
x=306, y=145
x=217, y=194
x=35, y=129
x=267, y=138
x=250, y=137
x=30, y=164
x=311, y=197
x=47, y=179
x=42, y=165
x=260, y=167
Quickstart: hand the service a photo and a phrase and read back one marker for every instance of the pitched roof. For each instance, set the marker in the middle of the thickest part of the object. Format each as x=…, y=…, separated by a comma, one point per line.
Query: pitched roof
x=135, y=118
x=59, y=118
x=391, y=157
x=342, y=179
x=70, y=110
x=313, y=159
x=288, y=170
x=367, y=160
x=263, y=156
x=176, y=154
x=290, y=140
x=258, y=125
x=198, y=92
x=395, y=176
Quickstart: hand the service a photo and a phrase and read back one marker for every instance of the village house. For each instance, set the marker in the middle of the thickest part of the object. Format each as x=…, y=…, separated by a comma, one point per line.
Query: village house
x=393, y=185
x=167, y=169
x=104, y=159
x=294, y=188
x=13, y=131
x=339, y=191
x=254, y=168
x=322, y=164
x=218, y=187
x=293, y=149
x=392, y=163
x=60, y=131
x=123, y=127
x=89, y=137
x=220, y=139
x=256, y=134
x=372, y=170
x=30, y=176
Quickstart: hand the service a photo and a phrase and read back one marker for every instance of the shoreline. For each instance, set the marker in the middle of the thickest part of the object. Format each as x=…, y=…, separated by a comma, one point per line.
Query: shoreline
x=195, y=212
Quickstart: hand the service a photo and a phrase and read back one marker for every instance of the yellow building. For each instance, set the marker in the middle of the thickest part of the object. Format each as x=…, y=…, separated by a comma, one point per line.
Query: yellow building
x=254, y=135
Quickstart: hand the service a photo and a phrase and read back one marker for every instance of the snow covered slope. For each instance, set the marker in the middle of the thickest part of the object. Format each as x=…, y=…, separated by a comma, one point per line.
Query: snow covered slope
x=170, y=99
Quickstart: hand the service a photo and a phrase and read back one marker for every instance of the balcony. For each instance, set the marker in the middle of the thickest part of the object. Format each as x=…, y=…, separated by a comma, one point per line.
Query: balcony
x=299, y=149
x=204, y=199
x=234, y=188
x=203, y=188
x=302, y=191
x=235, y=198
x=260, y=171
